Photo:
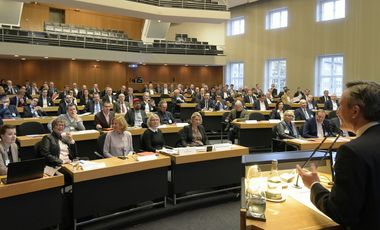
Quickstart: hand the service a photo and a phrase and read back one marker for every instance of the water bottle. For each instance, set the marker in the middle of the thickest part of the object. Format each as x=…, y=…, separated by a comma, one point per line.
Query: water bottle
x=274, y=184
x=255, y=194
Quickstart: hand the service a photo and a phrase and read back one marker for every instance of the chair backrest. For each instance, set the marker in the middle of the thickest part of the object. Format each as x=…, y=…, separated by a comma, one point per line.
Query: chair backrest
x=332, y=114
x=225, y=115
x=100, y=143
x=29, y=128
x=256, y=116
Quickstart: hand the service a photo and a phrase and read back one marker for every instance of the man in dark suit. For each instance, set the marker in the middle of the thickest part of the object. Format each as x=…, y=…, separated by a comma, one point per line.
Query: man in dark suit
x=250, y=98
x=317, y=126
x=95, y=105
x=20, y=99
x=63, y=104
x=206, y=103
x=220, y=104
x=109, y=97
x=332, y=104
x=8, y=111
x=303, y=112
x=103, y=119
x=273, y=90
x=44, y=100
x=354, y=198
x=121, y=106
x=33, y=110
x=311, y=103
x=136, y=117
x=52, y=90
x=325, y=97
x=10, y=89
x=165, y=116
x=261, y=103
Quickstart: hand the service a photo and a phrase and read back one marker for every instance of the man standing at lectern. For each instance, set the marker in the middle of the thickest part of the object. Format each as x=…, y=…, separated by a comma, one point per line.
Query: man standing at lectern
x=354, y=200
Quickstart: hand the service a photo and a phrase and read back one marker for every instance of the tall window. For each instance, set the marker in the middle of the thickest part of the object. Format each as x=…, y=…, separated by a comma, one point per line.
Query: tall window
x=275, y=73
x=329, y=74
x=331, y=9
x=235, y=74
x=277, y=18
x=235, y=26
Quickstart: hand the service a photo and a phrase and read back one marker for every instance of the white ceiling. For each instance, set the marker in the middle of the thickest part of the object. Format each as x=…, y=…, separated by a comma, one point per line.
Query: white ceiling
x=233, y=3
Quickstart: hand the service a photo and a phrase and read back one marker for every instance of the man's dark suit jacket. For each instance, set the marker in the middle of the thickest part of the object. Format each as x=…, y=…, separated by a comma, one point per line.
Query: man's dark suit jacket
x=14, y=100
x=219, y=105
x=101, y=119
x=143, y=105
x=256, y=106
x=329, y=105
x=299, y=114
x=202, y=104
x=354, y=199
x=166, y=117
x=49, y=101
x=322, y=99
x=9, y=112
x=61, y=108
x=90, y=107
x=105, y=98
x=310, y=128
x=247, y=100
x=274, y=92
x=28, y=112
x=186, y=135
x=314, y=103
x=130, y=117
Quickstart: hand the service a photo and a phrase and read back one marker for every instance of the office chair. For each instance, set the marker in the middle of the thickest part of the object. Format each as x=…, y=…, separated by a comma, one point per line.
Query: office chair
x=224, y=124
x=256, y=116
x=29, y=128
x=99, y=146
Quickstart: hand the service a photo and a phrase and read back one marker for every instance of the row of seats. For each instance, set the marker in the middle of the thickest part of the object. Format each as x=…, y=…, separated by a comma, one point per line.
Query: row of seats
x=188, y=4
x=53, y=39
x=61, y=28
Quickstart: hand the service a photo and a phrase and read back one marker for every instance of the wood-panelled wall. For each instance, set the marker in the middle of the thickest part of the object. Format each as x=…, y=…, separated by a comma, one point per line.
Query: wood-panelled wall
x=35, y=15
x=64, y=72
x=114, y=74
x=179, y=74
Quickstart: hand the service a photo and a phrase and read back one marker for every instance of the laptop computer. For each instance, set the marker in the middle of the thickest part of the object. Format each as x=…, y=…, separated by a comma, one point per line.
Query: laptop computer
x=24, y=170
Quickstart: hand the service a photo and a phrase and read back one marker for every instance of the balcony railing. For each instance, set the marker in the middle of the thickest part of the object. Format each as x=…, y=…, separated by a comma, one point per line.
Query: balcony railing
x=114, y=44
x=186, y=4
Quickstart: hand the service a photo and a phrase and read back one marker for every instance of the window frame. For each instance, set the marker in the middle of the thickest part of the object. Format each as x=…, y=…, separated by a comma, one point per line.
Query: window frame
x=230, y=26
x=319, y=13
x=268, y=18
x=267, y=76
x=318, y=75
x=229, y=76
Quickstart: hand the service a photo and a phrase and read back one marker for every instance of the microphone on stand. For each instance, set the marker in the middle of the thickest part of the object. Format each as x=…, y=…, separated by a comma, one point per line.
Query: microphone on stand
x=329, y=151
x=308, y=160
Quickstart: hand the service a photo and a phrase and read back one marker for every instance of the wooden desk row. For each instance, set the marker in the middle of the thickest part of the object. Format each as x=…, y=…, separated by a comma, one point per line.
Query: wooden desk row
x=50, y=109
x=104, y=189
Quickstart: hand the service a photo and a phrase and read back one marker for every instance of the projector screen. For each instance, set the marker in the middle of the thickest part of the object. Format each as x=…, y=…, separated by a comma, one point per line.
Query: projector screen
x=10, y=12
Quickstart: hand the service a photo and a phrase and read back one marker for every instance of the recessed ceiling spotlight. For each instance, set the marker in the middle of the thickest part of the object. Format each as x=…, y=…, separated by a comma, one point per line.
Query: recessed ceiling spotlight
x=73, y=59
x=16, y=55
x=23, y=59
x=165, y=64
x=46, y=57
x=98, y=60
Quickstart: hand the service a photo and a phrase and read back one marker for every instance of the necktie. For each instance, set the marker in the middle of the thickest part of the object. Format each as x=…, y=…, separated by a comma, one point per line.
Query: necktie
x=306, y=114
x=206, y=106
x=10, y=155
x=96, y=108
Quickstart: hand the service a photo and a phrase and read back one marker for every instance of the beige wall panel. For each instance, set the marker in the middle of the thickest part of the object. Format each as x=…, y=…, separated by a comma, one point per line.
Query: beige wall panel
x=356, y=37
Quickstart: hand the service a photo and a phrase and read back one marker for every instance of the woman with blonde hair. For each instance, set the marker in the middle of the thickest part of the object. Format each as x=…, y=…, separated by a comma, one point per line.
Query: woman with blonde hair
x=118, y=142
x=194, y=134
x=152, y=139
